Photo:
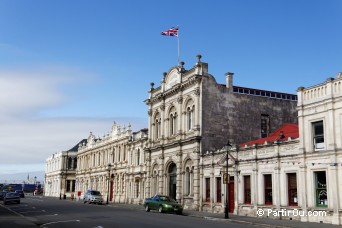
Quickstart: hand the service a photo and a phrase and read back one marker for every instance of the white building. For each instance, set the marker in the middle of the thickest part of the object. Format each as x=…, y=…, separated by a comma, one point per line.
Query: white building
x=60, y=173
x=115, y=165
x=294, y=173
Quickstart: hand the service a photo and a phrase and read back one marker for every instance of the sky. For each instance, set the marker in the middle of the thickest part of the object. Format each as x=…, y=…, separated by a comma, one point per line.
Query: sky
x=71, y=67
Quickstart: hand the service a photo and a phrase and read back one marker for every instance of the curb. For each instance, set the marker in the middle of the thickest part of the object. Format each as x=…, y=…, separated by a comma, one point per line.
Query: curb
x=238, y=221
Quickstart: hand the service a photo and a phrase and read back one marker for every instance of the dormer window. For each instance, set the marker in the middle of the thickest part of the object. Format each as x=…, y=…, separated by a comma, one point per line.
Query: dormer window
x=318, y=135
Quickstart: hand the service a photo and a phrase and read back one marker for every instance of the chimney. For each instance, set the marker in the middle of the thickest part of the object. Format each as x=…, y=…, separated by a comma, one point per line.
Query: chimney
x=339, y=75
x=229, y=79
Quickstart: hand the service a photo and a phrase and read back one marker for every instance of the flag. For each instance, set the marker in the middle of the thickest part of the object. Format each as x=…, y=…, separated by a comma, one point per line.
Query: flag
x=171, y=32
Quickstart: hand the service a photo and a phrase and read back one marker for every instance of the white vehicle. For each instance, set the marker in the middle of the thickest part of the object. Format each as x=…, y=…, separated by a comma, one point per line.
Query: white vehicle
x=92, y=196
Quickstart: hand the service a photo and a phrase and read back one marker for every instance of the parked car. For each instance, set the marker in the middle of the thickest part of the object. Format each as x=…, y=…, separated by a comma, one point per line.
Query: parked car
x=162, y=204
x=92, y=196
x=2, y=194
x=20, y=193
x=11, y=197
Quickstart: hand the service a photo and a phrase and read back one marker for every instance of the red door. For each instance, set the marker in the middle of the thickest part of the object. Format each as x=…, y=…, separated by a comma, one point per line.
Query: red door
x=231, y=197
x=111, y=191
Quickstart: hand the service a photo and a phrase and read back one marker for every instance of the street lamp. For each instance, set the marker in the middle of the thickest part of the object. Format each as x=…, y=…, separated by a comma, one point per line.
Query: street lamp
x=108, y=170
x=228, y=146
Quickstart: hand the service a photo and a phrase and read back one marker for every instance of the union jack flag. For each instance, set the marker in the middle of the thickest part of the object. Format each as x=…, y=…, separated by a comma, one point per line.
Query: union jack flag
x=171, y=32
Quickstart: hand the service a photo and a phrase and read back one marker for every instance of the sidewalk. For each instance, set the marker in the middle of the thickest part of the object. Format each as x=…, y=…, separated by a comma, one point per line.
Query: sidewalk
x=263, y=222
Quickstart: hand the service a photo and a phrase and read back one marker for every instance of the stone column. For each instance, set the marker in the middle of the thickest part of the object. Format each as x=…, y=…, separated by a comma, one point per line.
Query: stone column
x=197, y=178
x=302, y=199
x=179, y=192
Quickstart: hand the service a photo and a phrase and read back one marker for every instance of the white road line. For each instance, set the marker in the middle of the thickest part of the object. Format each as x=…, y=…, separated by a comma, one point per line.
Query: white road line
x=31, y=211
x=44, y=225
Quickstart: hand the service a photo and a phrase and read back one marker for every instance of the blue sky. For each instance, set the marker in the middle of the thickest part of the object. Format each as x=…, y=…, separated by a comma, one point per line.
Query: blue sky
x=70, y=67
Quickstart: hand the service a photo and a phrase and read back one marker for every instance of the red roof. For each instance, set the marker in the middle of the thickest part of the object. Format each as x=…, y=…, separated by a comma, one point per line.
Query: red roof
x=283, y=133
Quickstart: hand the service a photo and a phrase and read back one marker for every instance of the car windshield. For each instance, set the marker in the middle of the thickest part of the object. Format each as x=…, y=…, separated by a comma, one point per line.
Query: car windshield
x=166, y=198
x=95, y=193
x=11, y=194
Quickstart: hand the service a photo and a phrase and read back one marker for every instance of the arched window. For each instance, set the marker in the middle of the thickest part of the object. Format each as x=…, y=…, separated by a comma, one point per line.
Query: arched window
x=187, y=181
x=173, y=123
x=157, y=127
x=189, y=117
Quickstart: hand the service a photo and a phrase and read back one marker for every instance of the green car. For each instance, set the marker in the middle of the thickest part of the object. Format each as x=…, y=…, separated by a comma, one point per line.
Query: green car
x=162, y=204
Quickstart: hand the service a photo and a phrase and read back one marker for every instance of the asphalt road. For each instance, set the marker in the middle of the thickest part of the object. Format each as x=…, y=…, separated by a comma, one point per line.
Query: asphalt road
x=36, y=211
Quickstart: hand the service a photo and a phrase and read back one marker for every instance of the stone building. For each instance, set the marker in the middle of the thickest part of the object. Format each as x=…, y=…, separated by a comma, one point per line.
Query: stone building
x=189, y=114
x=295, y=173
x=115, y=165
x=60, y=173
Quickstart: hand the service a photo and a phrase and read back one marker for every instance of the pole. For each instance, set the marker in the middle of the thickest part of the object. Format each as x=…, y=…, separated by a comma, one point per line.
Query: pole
x=178, y=46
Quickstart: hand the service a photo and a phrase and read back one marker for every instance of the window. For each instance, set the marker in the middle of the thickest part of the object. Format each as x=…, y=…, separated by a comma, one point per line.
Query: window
x=268, y=189
x=187, y=181
x=292, y=189
x=265, y=125
x=321, y=189
x=68, y=186
x=173, y=123
x=157, y=128
x=138, y=156
x=247, y=189
x=218, y=190
x=318, y=135
x=75, y=163
x=73, y=185
x=207, y=189
x=189, y=118
x=69, y=163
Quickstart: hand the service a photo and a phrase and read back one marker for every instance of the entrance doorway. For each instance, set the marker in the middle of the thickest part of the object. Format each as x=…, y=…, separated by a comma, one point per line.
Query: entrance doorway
x=231, y=196
x=172, y=180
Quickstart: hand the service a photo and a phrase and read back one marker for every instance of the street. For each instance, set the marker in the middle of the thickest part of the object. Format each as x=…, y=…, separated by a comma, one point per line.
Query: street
x=38, y=211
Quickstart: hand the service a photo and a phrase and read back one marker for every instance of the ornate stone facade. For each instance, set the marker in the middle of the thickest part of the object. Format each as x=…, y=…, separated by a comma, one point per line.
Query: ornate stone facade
x=189, y=113
x=115, y=165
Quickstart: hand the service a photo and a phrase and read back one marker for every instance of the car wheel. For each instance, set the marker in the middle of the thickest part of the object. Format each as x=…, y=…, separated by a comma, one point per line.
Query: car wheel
x=160, y=209
x=147, y=208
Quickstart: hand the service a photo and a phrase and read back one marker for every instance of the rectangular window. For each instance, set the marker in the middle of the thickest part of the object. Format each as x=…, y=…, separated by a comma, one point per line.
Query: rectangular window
x=218, y=190
x=247, y=189
x=292, y=189
x=68, y=186
x=207, y=189
x=73, y=185
x=268, y=189
x=321, y=189
x=318, y=135
x=265, y=125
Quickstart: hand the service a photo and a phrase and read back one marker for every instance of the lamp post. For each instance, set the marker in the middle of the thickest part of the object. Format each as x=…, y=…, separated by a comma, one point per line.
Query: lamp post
x=108, y=170
x=228, y=146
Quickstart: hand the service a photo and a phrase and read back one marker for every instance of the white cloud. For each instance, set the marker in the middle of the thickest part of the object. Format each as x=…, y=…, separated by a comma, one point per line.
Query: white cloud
x=27, y=138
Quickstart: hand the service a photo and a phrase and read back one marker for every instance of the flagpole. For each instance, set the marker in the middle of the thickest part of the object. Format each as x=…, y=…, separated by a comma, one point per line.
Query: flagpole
x=178, y=47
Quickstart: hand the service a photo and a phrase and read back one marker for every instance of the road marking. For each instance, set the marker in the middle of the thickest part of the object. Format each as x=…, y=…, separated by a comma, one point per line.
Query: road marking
x=44, y=225
x=36, y=199
x=31, y=211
